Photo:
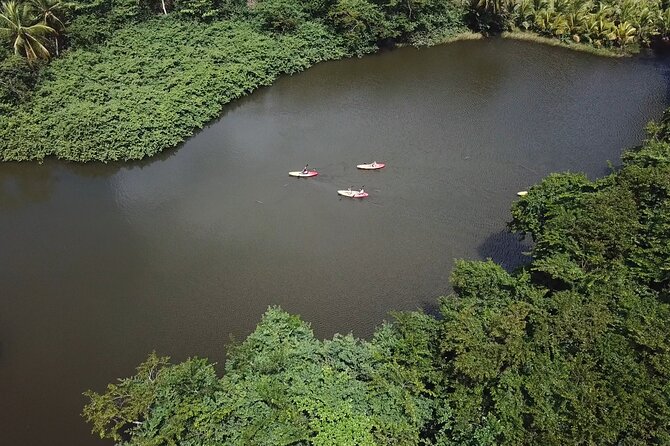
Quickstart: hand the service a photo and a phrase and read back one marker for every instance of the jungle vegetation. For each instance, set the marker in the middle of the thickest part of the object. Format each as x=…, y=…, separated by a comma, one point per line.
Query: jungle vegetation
x=572, y=348
x=104, y=80
x=613, y=24
x=136, y=77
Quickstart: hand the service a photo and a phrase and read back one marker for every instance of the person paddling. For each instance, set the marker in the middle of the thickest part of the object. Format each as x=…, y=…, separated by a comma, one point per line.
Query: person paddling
x=305, y=169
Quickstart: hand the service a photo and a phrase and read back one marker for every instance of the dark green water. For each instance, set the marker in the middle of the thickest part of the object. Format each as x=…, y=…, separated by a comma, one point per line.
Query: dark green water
x=99, y=265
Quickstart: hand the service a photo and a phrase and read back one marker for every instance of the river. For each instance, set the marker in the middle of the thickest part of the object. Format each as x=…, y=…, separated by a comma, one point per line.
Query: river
x=101, y=264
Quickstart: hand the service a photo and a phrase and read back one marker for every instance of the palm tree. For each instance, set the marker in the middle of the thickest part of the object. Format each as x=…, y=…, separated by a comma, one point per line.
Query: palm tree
x=624, y=33
x=574, y=21
x=15, y=25
x=551, y=22
x=589, y=29
x=525, y=13
x=47, y=10
x=663, y=23
x=492, y=6
x=644, y=19
x=603, y=30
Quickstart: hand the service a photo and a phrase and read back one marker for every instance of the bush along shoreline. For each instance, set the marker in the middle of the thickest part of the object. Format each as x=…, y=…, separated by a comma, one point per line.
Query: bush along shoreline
x=96, y=80
x=571, y=349
x=136, y=80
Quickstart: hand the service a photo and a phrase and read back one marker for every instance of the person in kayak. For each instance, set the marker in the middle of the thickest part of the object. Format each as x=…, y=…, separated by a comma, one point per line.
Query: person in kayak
x=362, y=191
x=374, y=164
x=305, y=169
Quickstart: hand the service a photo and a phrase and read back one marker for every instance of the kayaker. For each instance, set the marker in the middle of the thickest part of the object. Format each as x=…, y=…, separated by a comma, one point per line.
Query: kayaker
x=304, y=169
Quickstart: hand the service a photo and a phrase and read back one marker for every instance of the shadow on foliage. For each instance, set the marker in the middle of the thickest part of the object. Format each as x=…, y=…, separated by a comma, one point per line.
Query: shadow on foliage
x=432, y=308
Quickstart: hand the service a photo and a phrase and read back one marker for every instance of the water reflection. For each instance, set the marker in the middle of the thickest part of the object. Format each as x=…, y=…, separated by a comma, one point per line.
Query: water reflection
x=506, y=249
x=22, y=184
x=100, y=264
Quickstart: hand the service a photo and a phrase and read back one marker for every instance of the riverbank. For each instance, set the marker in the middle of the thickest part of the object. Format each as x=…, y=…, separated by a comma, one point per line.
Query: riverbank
x=154, y=84
x=174, y=253
x=572, y=346
x=151, y=86
x=581, y=47
x=444, y=38
x=134, y=82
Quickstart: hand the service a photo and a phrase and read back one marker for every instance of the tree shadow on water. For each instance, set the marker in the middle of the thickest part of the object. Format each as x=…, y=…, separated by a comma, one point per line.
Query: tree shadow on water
x=432, y=308
x=506, y=249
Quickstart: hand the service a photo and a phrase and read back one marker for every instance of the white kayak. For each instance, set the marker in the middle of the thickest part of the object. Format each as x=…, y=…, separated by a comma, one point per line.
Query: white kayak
x=301, y=174
x=352, y=193
x=522, y=193
x=371, y=166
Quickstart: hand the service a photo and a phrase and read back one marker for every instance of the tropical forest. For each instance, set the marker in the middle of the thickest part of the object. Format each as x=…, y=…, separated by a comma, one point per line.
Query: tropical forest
x=496, y=272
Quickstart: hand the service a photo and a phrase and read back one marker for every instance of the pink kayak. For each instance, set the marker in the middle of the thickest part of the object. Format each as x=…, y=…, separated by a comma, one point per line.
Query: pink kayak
x=300, y=174
x=352, y=193
x=371, y=166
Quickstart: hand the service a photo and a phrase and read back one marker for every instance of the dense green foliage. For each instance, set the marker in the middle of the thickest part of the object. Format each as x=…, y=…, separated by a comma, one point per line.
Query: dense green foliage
x=602, y=23
x=28, y=27
x=17, y=80
x=571, y=349
x=151, y=85
x=141, y=76
x=282, y=386
x=194, y=56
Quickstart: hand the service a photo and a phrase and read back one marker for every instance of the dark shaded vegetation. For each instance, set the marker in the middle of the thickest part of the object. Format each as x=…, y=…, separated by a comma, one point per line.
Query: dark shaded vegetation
x=573, y=348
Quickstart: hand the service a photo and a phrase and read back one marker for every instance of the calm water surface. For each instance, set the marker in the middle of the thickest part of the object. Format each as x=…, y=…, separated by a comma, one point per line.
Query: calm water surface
x=99, y=264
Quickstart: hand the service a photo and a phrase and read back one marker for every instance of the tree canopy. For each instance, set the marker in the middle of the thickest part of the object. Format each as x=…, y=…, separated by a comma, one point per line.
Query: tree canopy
x=572, y=348
x=64, y=42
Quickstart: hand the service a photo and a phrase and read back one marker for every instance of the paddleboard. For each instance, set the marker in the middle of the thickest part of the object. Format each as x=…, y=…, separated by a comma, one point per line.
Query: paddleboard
x=310, y=173
x=371, y=166
x=352, y=193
